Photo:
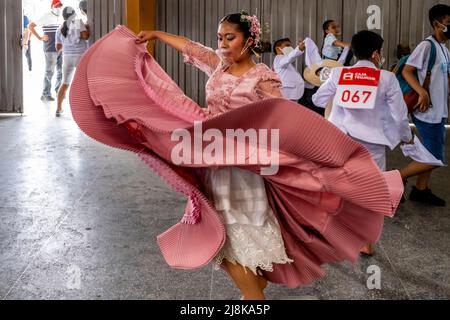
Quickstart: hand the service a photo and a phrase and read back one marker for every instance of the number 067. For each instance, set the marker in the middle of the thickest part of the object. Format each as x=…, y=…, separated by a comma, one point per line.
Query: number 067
x=356, y=96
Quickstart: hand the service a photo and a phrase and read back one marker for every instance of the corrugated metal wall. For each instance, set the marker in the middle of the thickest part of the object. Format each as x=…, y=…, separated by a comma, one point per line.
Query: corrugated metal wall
x=105, y=15
x=403, y=21
x=11, y=84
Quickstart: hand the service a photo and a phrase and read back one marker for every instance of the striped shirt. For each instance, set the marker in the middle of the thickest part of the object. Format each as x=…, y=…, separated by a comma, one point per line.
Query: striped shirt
x=50, y=24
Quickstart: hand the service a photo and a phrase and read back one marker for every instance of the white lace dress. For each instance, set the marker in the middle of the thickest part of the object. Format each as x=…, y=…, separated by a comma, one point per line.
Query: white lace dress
x=253, y=234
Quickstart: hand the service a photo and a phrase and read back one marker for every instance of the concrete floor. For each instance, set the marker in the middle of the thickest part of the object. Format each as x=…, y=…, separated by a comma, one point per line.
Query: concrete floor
x=80, y=220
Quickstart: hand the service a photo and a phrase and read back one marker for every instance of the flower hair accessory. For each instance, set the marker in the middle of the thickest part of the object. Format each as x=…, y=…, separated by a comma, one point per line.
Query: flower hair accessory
x=255, y=27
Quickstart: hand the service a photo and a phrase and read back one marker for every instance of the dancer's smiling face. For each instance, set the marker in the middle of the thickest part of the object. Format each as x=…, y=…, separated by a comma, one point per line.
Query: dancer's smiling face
x=233, y=43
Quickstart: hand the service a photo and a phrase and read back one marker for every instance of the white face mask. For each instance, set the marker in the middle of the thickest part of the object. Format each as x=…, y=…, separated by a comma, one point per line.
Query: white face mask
x=287, y=50
x=445, y=27
x=226, y=56
x=381, y=61
x=56, y=11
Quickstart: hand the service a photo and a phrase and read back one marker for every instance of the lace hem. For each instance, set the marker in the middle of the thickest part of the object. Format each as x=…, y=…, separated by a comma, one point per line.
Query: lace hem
x=256, y=268
x=254, y=248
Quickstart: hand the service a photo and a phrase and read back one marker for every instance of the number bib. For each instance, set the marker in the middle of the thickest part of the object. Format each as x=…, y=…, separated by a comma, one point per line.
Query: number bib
x=357, y=88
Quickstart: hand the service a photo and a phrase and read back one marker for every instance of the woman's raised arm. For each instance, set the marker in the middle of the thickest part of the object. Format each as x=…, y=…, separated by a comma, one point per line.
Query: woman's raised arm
x=194, y=53
x=176, y=42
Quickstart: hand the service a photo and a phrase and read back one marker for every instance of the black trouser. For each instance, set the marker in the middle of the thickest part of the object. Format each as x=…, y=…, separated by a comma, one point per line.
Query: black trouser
x=28, y=56
x=307, y=101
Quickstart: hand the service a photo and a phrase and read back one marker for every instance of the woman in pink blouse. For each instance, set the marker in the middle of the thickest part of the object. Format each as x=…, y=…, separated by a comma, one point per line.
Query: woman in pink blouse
x=254, y=240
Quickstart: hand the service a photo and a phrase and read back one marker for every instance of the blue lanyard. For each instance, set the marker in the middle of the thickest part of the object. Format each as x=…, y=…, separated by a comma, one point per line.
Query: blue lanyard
x=447, y=58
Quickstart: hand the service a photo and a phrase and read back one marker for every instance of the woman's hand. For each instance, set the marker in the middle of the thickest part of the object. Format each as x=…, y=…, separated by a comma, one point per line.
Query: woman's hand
x=302, y=45
x=145, y=36
x=411, y=142
x=424, y=101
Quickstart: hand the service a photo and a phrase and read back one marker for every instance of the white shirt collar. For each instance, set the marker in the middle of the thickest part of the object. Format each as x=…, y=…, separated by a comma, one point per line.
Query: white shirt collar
x=365, y=63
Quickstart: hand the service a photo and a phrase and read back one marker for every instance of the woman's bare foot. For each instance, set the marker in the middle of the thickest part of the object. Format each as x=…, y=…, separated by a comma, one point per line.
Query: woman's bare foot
x=368, y=250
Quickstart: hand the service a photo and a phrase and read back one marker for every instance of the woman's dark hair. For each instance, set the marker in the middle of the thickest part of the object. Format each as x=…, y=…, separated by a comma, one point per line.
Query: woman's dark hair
x=244, y=27
x=365, y=43
x=67, y=13
x=325, y=27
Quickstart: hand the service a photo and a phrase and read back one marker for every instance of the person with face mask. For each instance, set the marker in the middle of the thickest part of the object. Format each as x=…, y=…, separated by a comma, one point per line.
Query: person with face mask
x=50, y=23
x=431, y=113
x=367, y=103
x=293, y=83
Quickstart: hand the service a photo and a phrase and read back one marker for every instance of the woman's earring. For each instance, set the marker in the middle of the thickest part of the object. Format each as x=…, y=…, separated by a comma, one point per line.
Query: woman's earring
x=256, y=53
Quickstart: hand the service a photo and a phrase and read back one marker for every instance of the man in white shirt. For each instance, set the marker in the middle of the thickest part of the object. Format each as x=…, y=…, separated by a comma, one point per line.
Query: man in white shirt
x=367, y=103
x=50, y=22
x=293, y=84
x=432, y=112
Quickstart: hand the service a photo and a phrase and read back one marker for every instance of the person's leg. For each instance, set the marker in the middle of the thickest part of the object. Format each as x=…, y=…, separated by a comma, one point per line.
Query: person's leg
x=415, y=169
x=61, y=96
x=68, y=69
x=251, y=286
x=50, y=63
x=433, y=137
x=28, y=56
x=423, y=181
x=59, y=75
x=378, y=153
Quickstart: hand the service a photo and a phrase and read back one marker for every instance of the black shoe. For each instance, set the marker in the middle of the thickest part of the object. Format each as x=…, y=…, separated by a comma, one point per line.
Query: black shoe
x=426, y=197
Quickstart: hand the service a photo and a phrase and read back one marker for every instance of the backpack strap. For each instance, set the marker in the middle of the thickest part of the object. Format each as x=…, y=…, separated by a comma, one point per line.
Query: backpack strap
x=433, y=56
x=400, y=66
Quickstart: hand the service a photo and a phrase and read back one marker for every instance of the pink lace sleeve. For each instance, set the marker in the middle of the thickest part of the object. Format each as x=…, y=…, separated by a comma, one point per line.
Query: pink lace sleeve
x=270, y=86
x=201, y=57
